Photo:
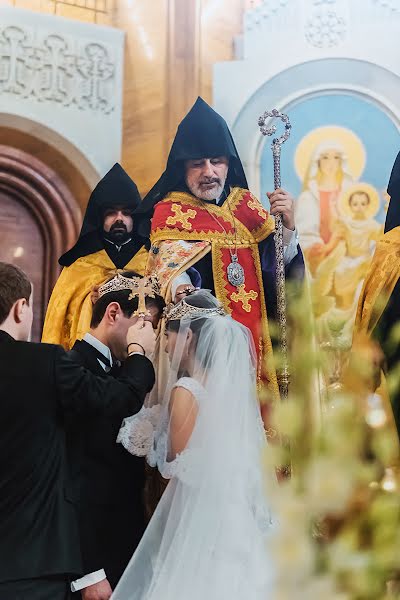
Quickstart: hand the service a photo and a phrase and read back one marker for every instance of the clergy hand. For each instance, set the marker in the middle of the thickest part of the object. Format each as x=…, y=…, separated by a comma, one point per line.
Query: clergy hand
x=97, y=591
x=282, y=203
x=182, y=291
x=141, y=333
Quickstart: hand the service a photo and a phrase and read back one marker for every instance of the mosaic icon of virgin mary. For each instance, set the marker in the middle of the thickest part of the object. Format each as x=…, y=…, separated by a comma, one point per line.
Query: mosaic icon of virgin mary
x=332, y=214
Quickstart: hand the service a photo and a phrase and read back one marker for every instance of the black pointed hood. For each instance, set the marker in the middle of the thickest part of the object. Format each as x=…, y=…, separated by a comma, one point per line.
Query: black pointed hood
x=203, y=133
x=393, y=213
x=115, y=189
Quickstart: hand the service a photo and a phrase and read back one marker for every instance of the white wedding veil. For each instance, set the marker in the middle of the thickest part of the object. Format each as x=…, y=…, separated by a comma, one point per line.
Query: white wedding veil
x=207, y=537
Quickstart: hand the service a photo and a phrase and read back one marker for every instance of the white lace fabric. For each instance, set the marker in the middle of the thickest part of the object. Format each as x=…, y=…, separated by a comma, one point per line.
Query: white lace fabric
x=137, y=432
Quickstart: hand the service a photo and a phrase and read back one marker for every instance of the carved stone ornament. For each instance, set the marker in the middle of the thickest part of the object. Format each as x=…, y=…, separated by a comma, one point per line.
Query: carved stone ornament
x=54, y=70
x=393, y=5
x=325, y=29
x=266, y=9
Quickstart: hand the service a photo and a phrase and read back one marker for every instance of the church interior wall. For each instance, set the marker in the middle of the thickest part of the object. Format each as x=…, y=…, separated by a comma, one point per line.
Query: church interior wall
x=163, y=53
x=170, y=49
x=55, y=158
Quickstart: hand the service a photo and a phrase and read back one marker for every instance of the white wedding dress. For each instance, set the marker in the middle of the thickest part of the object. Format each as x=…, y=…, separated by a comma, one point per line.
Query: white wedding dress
x=207, y=537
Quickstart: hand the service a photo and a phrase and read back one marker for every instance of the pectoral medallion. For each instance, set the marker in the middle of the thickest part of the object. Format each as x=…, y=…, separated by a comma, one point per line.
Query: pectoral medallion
x=235, y=272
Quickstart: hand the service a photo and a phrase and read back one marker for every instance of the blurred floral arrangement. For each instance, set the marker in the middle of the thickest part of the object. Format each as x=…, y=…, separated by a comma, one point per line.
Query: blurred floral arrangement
x=337, y=533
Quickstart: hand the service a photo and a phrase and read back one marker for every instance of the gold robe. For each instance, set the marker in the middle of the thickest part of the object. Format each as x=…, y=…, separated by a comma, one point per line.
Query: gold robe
x=379, y=284
x=380, y=281
x=70, y=307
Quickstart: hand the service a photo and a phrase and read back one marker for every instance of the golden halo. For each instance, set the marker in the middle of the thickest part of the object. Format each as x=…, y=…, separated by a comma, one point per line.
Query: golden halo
x=370, y=210
x=352, y=146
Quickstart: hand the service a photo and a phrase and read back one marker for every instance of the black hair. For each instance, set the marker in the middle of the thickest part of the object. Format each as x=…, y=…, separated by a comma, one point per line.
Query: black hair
x=200, y=301
x=128, y=307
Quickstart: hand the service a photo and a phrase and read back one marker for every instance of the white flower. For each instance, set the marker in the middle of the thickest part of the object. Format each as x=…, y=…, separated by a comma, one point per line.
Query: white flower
x=345, y=557
x=290, y=510
x=288, y=418
x=330, y=485
x=321, y=587
x=293, y=553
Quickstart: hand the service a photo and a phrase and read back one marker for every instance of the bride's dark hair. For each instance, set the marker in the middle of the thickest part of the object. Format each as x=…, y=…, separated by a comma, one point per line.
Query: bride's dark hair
x=200, y=300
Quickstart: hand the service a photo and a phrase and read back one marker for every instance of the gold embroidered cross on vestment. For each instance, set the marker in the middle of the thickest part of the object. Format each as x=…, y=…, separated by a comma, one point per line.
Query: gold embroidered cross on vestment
x=254, y=205
x=244, y=297
x=181, y=217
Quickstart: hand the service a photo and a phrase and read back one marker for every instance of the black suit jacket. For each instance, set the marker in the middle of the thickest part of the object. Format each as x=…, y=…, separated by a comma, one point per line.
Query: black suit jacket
x=38, y=384
x=108, y=483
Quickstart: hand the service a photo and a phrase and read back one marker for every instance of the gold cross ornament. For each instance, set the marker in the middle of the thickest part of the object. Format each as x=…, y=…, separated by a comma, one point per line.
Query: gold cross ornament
x=181, y=217
x=244, y=297
x=145, y=287
x=254, y=205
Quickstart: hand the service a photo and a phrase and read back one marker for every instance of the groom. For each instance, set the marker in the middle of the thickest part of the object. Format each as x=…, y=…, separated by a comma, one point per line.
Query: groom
x=39, y=387
x=109, y=480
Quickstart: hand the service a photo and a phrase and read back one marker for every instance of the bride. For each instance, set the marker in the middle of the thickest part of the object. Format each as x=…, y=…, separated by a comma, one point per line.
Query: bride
x=207, y=538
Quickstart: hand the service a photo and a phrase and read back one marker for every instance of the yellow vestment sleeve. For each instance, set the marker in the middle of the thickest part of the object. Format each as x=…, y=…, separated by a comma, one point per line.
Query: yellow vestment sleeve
x=380, y=281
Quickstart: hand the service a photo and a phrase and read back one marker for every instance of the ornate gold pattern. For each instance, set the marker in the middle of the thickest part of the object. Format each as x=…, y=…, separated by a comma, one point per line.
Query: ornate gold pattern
x=219, y=277
x=118, y=283
x=268, y=367
x=246, y=239
x=380, y=281
x=222, y=212
x=181, y=217
x=244, y=297
x=170, y=258
x=147, y=287
x=141, y=288
x=160, y=235
x=184, y=310
x=253, y=204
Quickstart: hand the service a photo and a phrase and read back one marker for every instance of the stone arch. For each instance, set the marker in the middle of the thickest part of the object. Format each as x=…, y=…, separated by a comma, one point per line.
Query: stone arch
x=32, y=191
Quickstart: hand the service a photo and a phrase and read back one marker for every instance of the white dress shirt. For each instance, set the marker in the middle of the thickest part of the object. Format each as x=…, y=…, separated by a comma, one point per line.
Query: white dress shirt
x=290, y=242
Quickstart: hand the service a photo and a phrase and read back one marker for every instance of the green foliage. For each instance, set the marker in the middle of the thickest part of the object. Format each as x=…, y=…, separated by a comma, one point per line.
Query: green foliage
x=337, y=533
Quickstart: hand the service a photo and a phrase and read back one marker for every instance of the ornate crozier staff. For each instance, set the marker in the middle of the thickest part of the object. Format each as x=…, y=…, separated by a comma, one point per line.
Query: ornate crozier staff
x=276, y=145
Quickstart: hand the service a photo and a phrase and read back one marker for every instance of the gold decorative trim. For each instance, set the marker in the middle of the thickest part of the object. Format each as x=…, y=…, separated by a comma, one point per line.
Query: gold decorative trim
x=181, y=217
x=244, y=297
x=268, y=349
x=183, y=263
x=162, y=234
x=381, y=279
x=265, y=343
x=253, y=204
x=218, y=275
x=227, y=210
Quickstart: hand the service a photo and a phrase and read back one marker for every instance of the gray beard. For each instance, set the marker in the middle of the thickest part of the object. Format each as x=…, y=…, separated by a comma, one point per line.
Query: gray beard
x=207, y=195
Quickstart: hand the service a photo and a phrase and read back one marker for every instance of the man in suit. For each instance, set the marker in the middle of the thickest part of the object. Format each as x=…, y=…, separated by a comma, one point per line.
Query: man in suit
x=109, y=480
x=39, y=384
